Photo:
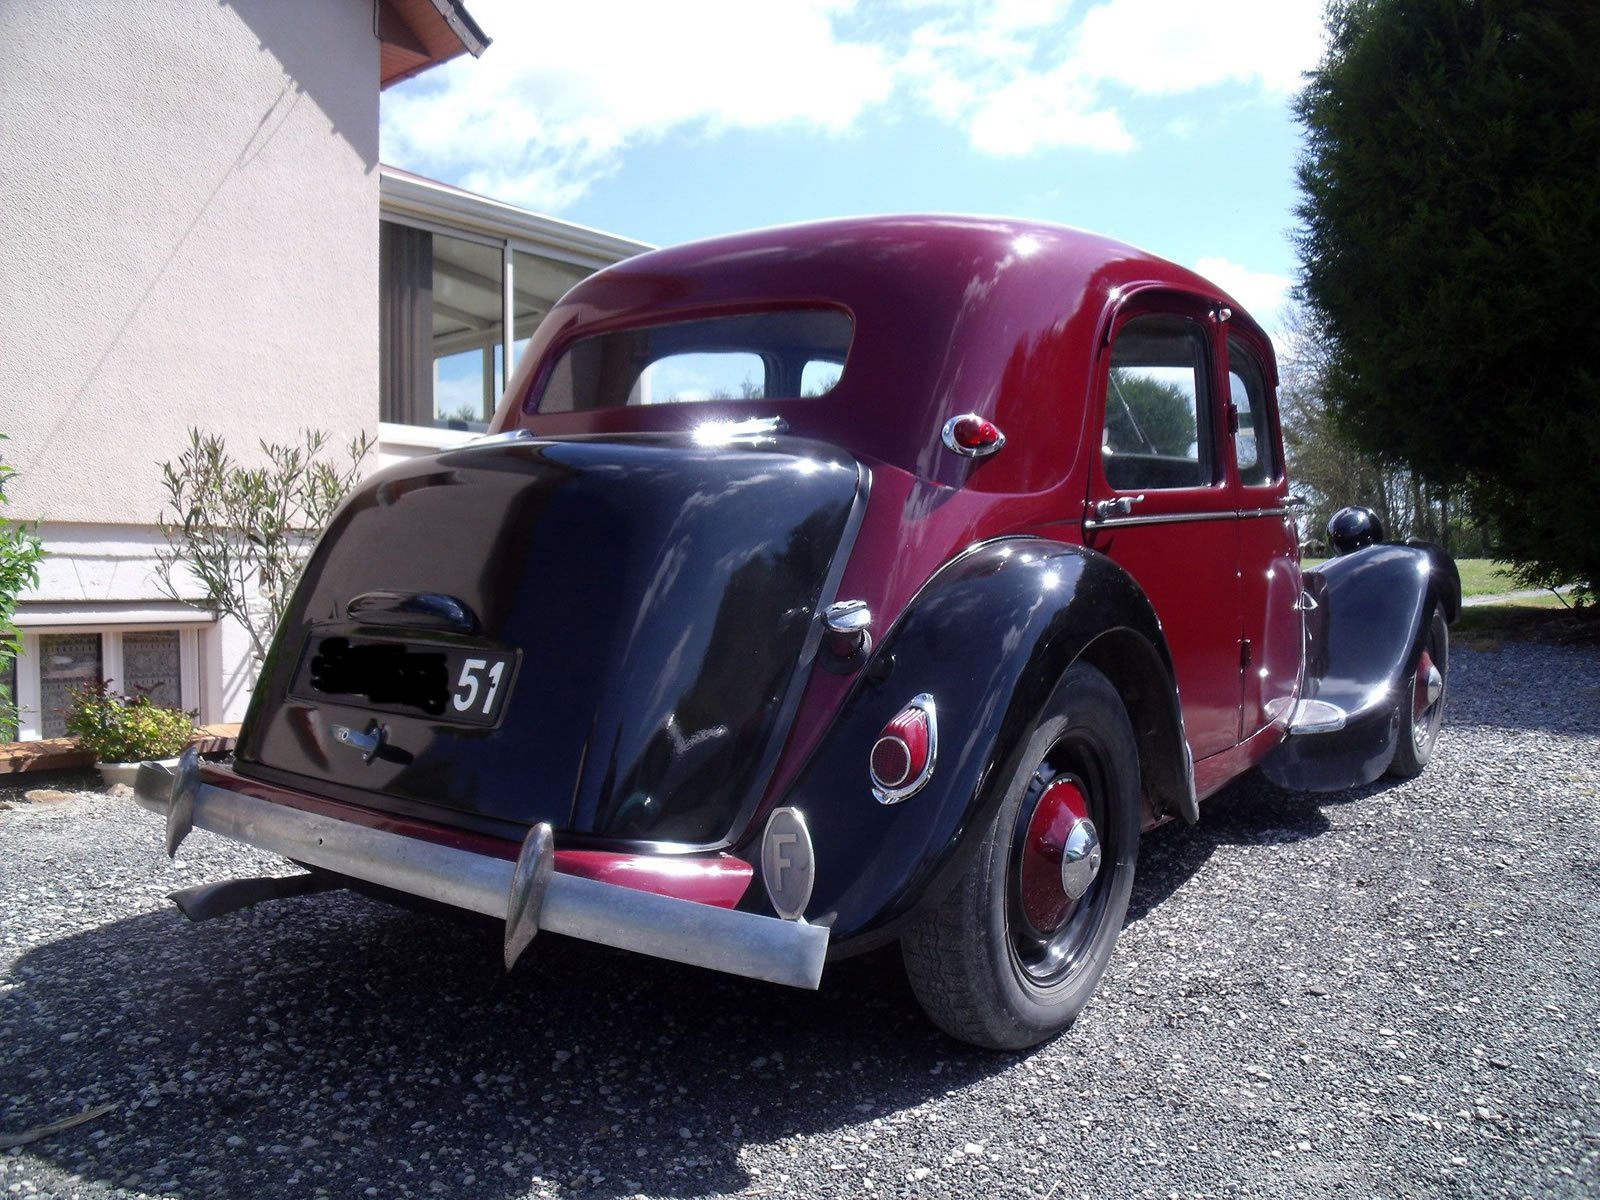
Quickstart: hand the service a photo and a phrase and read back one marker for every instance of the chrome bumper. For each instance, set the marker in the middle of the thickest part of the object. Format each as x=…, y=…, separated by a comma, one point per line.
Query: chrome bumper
x=528, y=894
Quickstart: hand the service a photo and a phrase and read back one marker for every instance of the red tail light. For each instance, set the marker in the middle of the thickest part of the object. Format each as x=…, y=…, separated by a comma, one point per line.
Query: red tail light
x=972, y=436
x=903, y=756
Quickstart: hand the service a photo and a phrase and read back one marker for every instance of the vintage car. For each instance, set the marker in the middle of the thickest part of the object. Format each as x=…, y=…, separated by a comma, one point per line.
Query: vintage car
x=825, y=587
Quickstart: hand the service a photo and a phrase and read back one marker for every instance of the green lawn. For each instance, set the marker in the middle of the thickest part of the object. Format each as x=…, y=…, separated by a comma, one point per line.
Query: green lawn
x=1484, y=577
x=1542, y=618
x=1479, y=576
x=1539, y=619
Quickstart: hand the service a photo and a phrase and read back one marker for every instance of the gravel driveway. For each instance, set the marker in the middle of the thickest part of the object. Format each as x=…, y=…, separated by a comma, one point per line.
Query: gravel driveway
x=1390, y=992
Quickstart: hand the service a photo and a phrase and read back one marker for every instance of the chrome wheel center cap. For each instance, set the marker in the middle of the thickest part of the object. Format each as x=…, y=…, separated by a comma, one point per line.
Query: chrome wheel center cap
x=1435, y=684
x=1080, y=858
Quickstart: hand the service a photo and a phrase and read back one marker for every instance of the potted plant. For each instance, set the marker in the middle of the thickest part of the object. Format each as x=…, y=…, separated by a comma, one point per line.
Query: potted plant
x=123, y=731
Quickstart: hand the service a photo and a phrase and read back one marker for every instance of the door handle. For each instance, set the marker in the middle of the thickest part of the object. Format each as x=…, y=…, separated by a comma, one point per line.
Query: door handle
x=1104, y=510
x=424, y=610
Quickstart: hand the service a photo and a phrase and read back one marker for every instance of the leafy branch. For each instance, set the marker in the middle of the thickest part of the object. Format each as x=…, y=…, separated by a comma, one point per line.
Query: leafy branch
x=243, y=533
x=20, y=552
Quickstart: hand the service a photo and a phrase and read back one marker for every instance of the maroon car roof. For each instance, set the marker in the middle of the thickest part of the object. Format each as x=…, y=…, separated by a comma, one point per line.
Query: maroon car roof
x=953, y=314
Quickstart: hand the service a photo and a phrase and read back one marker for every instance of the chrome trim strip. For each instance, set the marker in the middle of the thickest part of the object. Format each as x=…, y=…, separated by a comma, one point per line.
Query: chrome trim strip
x=1159, y=519
x=739, y=943
x=752, y=429
x=505, y=437
x=1174, y=518
x=1248, y=513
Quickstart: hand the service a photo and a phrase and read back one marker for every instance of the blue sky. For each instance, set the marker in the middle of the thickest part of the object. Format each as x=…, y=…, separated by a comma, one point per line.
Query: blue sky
x=1165, y=123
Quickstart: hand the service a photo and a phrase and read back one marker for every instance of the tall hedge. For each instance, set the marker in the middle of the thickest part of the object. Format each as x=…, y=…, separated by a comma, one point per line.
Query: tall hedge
x=1450, y=245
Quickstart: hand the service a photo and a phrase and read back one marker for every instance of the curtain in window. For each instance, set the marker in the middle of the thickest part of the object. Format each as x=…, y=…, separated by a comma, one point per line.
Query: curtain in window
x=405, y=307
x=66, y=661
x=151, y=665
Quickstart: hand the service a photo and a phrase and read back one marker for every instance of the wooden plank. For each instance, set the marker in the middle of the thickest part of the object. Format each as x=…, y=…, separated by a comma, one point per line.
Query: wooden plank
x=45, y=754
x=62, y=754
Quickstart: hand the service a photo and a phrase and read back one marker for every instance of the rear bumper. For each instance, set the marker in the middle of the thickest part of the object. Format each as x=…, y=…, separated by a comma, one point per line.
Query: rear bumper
x=527, y=894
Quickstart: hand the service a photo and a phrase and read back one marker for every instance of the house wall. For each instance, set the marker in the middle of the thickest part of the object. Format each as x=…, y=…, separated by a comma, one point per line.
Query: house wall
x=89, y=576
x=188, y=199
x=188, y=237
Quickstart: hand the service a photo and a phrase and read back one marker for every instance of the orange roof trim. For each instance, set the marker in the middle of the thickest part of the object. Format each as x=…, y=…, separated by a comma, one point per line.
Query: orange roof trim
x=418, y=34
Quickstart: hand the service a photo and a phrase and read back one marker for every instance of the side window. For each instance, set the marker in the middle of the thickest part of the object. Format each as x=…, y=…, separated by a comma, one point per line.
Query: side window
x=1157, y=430
x=1253, y=444
x=819, y=375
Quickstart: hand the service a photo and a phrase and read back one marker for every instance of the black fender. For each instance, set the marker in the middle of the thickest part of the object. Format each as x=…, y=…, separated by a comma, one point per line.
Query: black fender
x=988, y=637
x=1446, y=578
x=1366, y=623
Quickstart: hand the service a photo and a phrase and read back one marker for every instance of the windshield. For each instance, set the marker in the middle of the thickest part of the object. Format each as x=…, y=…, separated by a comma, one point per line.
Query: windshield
x=753, y=356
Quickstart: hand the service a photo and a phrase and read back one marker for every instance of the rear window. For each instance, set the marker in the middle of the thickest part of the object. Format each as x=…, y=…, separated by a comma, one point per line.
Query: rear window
x=754, y=356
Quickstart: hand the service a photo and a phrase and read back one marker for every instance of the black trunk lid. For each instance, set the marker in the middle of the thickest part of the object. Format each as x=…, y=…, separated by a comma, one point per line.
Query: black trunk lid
x=606, y=634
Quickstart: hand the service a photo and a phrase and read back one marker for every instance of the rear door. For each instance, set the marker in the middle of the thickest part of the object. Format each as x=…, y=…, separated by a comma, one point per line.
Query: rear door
x=1269, y=555
x=1160, y=502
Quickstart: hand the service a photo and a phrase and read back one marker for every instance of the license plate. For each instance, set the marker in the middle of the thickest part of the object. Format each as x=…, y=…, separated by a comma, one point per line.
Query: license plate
x=468, y=685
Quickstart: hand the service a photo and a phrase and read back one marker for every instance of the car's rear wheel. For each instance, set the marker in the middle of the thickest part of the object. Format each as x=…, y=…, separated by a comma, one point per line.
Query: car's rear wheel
x=1012, y=954
x=1423, y=709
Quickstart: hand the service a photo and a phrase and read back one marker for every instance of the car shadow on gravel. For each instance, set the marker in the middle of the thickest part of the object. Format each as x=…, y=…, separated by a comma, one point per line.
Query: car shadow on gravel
x=332, y=1042
x=1249, y=812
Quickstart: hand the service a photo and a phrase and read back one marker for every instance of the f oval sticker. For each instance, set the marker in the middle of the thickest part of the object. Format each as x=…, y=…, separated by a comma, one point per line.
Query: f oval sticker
x=787, y=866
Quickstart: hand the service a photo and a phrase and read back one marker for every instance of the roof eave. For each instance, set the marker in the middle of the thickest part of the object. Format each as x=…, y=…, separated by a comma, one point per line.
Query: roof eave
x=421, y=34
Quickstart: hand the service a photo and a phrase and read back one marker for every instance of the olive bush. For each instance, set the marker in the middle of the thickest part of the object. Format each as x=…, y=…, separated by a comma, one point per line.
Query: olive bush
x=244, y=533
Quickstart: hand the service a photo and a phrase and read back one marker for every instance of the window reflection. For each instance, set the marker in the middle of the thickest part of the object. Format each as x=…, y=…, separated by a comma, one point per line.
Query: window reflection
x=67, y=661
x=443, y=323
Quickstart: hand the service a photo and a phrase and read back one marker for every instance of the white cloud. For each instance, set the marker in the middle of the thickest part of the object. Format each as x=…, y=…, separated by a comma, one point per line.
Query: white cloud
x=1167, y=46
x=567, y=89
x=1263, y=294
x=1035, y=111
x=1004, y=74
x=1026, y=74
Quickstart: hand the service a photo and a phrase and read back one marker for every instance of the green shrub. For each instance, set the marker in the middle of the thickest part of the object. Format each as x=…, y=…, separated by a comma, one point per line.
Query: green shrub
x=118, y=728
x=242, y=534
x=20, y=552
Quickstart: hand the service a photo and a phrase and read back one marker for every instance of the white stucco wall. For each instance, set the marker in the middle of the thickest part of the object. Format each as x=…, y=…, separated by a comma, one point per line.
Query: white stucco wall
x=188, y=236
x=103, y=577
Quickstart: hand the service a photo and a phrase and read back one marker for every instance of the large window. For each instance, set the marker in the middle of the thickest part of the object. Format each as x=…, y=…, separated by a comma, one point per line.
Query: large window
x=445, y=305
x=756, y=356
x=441, y=313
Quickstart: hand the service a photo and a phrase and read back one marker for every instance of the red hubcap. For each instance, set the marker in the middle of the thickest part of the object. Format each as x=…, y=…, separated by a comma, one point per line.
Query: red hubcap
x=1061, y=807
